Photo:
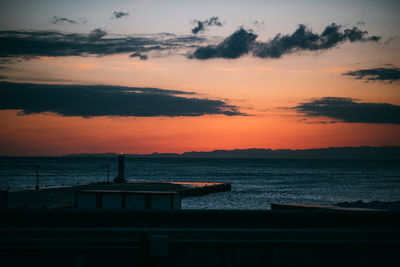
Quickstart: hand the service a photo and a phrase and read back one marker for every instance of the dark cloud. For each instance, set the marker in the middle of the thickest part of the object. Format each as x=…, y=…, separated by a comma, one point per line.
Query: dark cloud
x=316, y=122
x=377, y=74
x=234, y=46
x=41, y=79
x=58, y=20
x=9, y=60
x=96, y=35
x=139, y=55
x=61, y=20
x=120, y=14
x=349, y=110
x=106, y=100
x=29, y=44
x=302, y=39
x=202, y=25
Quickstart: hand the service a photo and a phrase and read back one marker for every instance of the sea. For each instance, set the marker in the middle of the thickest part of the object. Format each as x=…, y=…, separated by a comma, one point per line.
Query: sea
x=256, y=183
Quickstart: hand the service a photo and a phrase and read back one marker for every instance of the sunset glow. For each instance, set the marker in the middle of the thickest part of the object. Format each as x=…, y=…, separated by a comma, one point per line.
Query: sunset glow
x=248, y=100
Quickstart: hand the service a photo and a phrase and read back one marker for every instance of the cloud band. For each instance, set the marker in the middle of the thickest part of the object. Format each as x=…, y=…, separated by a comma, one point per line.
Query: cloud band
x=349, y=110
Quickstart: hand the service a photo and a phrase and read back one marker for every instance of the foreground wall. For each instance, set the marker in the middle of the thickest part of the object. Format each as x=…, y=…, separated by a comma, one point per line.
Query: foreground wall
x=198, y=238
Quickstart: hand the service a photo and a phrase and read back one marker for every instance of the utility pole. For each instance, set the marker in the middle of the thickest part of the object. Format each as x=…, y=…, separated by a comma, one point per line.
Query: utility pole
x=37, y=178
x=108, y=173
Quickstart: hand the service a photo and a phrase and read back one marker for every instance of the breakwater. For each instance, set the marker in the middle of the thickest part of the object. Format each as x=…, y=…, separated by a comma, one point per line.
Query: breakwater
x=201, y=189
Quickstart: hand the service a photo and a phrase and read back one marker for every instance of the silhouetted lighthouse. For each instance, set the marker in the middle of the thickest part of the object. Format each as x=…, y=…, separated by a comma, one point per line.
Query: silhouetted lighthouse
x=121, y=169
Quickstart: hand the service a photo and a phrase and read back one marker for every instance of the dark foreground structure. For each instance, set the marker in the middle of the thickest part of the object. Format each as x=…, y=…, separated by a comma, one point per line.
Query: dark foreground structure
x=199, y=238
x=65, y=196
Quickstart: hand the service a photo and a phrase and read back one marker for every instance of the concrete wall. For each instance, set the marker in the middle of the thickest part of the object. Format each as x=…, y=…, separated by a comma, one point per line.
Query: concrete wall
x=198, y=238
x=3, y=199
x=111, y=199
x=134, y=202
x=85, y=200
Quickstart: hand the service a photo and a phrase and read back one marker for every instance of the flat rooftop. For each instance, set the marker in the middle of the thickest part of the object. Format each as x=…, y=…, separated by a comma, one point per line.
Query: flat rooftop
x=64, y=196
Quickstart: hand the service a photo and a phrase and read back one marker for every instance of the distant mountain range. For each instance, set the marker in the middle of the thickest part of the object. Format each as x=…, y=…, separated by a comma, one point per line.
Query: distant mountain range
x=362, y=152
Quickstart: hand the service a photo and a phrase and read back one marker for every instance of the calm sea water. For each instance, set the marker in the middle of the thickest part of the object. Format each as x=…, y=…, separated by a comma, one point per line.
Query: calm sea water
x=255, y=182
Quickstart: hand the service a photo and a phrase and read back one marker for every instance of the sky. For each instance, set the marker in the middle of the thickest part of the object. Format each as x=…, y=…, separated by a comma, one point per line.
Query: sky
x=176, y=76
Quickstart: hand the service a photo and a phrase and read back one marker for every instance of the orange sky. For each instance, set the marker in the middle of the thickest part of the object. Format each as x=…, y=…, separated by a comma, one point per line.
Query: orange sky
x=260, y=88
x=45, y=134
x=264, y=88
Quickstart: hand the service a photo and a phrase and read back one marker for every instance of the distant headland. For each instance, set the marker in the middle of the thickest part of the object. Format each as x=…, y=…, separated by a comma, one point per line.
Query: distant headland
x=362, y=152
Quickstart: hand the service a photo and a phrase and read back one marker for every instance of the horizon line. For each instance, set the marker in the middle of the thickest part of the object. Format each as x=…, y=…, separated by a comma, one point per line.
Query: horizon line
x=200, y=151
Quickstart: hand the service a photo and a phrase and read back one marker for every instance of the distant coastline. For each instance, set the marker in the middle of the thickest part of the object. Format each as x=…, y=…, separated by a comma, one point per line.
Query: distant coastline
x=362, y=152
